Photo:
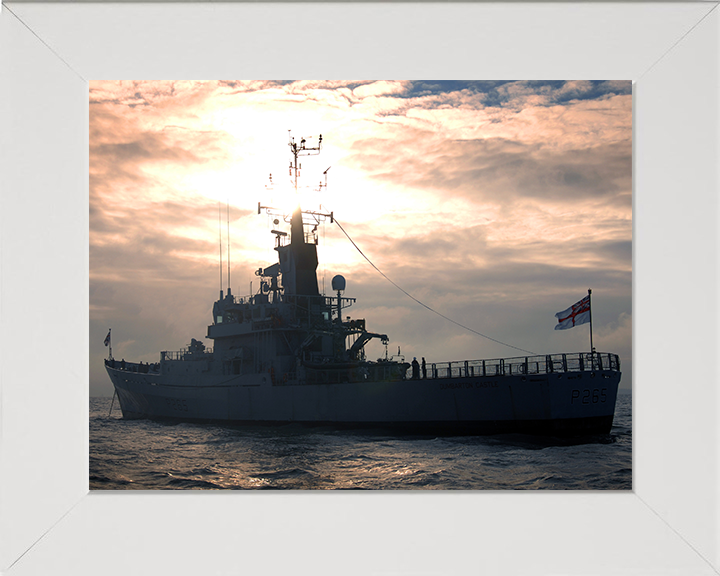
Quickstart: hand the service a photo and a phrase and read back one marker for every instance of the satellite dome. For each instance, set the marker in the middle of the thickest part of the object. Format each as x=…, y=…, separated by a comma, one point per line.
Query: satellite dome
x=338, y=283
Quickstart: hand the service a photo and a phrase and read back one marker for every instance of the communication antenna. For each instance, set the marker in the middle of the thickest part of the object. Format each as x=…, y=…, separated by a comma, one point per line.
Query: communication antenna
x=297, y=149
x=321, y=185
x=228, y=243
x=220, y=243
x=301, y=149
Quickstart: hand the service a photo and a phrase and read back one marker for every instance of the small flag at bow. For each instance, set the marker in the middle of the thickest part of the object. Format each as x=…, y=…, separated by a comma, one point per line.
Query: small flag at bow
x=107, y=339
x=578, y=313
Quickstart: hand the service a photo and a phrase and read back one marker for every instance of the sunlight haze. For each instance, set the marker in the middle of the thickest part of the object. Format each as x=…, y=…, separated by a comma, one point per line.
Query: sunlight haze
x=497, y=204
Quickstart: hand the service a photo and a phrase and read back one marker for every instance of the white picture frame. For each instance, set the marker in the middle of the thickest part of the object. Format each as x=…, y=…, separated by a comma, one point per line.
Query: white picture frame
x=50, y=523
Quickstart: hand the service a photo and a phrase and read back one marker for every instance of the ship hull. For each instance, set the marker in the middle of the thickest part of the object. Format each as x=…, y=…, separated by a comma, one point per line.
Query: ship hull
x=561, y=404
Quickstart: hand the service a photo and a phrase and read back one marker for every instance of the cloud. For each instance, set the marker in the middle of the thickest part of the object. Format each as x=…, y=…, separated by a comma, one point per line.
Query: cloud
x=495, y=203
x=380, y=88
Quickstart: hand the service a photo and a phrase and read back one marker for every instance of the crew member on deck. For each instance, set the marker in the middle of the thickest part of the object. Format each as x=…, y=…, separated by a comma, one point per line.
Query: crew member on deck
x=415, y=369
x=424, y=368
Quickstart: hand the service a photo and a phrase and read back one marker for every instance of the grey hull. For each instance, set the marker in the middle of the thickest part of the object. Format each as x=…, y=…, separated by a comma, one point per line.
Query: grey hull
x=557, y=403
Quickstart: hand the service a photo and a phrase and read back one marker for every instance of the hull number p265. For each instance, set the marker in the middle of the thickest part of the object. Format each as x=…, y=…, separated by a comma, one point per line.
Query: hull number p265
x=587, y=396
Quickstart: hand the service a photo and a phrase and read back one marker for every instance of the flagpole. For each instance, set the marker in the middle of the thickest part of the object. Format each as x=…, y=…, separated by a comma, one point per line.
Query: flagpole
x=109, y=342
x=592, y=349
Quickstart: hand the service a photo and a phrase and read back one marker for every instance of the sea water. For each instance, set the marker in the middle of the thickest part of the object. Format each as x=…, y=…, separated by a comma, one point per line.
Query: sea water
x=149, y=455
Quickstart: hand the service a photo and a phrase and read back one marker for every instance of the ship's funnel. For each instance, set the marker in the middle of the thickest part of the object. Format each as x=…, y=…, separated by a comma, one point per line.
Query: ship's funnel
x=298, y=261
x=297, y=234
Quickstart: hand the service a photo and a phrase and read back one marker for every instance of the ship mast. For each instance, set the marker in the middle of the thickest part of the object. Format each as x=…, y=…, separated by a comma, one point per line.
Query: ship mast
x=298, y=149
x=301, y=149
x=298, y=258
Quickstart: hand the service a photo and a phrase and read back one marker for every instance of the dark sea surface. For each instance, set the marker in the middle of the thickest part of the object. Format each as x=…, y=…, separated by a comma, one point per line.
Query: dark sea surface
x=148, y=455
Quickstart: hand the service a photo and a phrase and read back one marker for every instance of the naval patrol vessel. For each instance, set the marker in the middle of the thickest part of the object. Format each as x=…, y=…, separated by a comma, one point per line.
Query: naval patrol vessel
x=289, y=354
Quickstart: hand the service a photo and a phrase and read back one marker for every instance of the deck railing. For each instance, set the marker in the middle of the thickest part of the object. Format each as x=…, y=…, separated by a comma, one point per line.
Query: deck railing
x=185, y=354
x=550, y=363
x=140, y=367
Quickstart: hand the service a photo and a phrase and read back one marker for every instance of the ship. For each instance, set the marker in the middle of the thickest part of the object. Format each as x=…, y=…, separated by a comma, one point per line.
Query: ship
x=289, y=354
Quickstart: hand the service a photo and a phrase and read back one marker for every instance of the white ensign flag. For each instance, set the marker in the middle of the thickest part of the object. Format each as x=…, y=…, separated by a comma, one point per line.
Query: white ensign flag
x=578, y=313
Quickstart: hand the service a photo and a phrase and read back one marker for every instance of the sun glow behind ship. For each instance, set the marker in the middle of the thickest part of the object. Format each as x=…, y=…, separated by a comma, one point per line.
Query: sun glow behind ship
x=495, y=202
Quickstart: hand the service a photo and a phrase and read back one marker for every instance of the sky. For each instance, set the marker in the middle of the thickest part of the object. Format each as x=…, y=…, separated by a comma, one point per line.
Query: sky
x=495, y=204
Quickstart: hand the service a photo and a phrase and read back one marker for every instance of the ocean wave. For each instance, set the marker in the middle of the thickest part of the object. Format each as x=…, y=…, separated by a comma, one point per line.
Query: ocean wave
x=147, y=455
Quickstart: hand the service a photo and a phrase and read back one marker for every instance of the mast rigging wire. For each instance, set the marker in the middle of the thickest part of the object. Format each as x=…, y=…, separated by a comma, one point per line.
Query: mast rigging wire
x=421, y=303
